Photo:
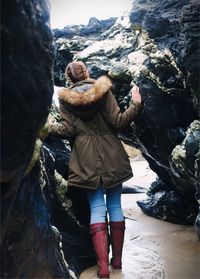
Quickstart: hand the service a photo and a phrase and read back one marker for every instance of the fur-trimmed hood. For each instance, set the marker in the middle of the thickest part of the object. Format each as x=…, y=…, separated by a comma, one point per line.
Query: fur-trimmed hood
x=84, y=97
x=81, y=94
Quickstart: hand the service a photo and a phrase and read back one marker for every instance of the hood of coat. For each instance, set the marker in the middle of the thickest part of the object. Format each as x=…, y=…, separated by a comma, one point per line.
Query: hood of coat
x=84, y=97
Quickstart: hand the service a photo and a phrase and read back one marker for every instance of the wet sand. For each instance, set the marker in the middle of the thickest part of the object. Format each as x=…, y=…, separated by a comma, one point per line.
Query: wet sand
x=153, y=248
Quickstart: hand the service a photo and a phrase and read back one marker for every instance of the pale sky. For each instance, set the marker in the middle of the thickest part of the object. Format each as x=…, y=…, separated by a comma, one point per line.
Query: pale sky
x=66, y=12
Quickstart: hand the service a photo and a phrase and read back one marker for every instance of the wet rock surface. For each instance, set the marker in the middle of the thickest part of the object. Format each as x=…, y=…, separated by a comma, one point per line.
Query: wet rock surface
x=155, y=45
x=69, y=213
x=65, y=49
x=27, y=82
x=44, y=225
x=31, y=245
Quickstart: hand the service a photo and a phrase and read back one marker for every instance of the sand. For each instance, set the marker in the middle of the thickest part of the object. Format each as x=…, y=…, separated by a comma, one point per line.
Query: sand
x=153, y=248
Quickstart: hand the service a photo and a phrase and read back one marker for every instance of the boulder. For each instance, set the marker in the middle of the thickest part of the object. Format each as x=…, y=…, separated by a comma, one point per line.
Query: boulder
x=31, y=245
x=156, y=46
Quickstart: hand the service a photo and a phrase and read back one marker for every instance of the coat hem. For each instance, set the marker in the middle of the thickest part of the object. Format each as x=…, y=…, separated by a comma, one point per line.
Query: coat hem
x=82, y=187
x=95, y=187
x=117, y=183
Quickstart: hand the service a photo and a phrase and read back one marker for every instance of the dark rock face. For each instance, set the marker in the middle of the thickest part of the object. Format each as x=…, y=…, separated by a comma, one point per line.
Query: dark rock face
x=166, y=204
x=94, y=26
x=79, y=37
x=174, y=26
x=26, y=81
x=63, y=56
x=44, y=225
x=69, y=210
x=26, y=86
x=31, y=247
x=156, y=46
x=97, y=26
x=197, y=225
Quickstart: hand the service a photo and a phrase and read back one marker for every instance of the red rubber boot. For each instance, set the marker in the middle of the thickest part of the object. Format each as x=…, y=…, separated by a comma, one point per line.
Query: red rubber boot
x=100, y=243
x=117, y=240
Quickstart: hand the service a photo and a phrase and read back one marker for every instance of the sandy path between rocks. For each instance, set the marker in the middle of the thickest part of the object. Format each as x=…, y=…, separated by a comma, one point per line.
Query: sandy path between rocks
x=153, y=249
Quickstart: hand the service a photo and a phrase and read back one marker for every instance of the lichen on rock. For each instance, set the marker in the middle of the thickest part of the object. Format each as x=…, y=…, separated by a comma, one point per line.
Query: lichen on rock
x=61, y=190
x=178, y=156
x=154, y=46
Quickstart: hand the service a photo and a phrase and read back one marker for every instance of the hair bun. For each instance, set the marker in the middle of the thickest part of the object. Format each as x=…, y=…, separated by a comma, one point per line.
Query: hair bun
x=76, y=71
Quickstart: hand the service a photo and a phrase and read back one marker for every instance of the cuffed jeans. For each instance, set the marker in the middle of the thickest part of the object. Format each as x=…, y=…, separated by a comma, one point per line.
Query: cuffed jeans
x=99, y=208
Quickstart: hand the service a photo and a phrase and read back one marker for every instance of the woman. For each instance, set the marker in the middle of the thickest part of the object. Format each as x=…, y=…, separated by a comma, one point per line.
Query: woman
x=98, y=161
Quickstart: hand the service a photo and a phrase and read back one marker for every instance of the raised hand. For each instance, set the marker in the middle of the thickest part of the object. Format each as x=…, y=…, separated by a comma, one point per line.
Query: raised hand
x=50, y=120
x=136, y=96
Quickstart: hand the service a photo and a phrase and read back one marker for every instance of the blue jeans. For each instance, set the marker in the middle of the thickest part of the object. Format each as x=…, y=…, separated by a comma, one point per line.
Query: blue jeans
x=99, y=208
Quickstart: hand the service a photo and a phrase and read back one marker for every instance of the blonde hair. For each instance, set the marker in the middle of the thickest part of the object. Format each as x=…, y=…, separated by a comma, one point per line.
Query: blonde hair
x=76, y=71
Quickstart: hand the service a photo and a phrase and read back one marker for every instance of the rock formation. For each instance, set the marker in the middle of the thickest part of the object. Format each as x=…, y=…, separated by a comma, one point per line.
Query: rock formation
x=77, y=33
x=44, y=226
x=33, y=243
x=156, y=46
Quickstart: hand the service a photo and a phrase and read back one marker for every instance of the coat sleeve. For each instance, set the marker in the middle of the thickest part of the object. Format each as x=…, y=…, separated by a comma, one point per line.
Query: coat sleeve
x=64, y=129
x=115, y=116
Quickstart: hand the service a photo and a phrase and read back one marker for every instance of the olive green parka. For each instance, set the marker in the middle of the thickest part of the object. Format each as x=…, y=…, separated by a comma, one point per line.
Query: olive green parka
x=91, y=117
